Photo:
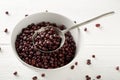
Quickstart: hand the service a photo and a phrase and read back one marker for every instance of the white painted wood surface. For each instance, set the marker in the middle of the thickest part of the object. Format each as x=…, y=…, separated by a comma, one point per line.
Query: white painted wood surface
x=103, y=42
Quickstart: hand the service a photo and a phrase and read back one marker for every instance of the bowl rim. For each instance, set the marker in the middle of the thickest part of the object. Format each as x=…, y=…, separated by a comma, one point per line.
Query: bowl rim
x=36, y=68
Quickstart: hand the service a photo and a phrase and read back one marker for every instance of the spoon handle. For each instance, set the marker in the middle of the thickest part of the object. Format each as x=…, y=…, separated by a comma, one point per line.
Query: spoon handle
x=88, y=21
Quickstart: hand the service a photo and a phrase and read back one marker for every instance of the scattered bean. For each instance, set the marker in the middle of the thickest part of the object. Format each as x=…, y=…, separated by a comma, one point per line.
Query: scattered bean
x=97, y=25
x=34, y=78
x=72, y=67
x=88, y=62
x=88, y=77
x=85, y=29
x=7, y=13
x=98, y=76
x=43, y=75
x=76, y=63
x=15, y=73
x=75, y=22
x=93, y=56
x=26, y=15
x=117, y=68
x=6, y=30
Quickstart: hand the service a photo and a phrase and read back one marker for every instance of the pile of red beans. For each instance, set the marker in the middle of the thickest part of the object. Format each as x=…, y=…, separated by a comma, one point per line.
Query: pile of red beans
x=30, y=53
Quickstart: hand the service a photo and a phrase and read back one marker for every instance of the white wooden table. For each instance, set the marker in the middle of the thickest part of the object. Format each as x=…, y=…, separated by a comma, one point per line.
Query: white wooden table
x=104, y=42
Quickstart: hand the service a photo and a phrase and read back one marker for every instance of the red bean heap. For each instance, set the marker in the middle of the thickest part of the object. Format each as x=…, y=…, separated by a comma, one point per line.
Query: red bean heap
x=47, y=40
x=31, y=54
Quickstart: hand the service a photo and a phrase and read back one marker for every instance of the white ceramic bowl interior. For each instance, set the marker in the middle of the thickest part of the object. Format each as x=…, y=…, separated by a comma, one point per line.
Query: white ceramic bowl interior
x=50, y=17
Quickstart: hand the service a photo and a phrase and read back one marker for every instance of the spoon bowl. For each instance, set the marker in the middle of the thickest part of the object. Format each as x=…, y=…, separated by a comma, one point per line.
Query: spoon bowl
x=59, y=32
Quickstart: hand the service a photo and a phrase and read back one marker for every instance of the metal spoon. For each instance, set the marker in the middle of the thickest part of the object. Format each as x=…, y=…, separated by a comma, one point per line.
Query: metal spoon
x=62, y=33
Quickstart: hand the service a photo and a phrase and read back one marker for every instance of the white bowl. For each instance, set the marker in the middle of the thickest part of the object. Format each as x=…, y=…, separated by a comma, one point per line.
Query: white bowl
x=49, y=17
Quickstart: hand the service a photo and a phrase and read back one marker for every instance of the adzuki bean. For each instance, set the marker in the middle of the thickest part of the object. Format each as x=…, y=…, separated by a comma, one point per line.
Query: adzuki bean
x=85, y=29
x=15, y=73
x=34, y=78
x=43, y=75
x=98, y=76
x=75, y=22
x=76, y=63
x=117, y=68
x=93, y=56
x=26, y=15
x=6, y=30
x=7, y=13
x=97, y=25
x=88, y=77
x=88, y=62
x=72, y=67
